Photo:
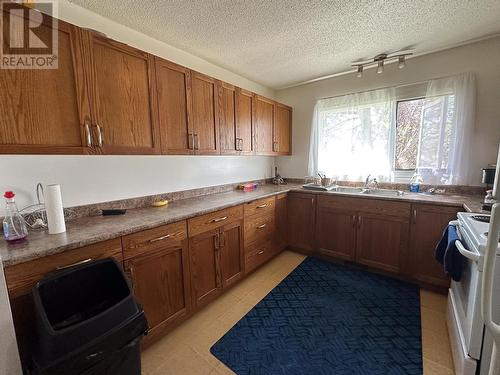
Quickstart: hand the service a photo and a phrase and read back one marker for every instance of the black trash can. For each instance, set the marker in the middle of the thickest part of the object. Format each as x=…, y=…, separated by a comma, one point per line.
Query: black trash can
x=87, y=322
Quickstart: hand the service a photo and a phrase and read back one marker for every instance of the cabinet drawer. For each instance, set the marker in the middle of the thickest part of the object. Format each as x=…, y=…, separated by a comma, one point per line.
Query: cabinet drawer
x=258, y=227
x=257, y=255
x=214, y=220
x=369, y=205
x=153, y=239
x=261, y=206
x=22, y=277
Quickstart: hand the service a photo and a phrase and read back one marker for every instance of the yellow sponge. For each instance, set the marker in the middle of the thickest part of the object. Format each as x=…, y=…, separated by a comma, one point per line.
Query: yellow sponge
x=160, y=203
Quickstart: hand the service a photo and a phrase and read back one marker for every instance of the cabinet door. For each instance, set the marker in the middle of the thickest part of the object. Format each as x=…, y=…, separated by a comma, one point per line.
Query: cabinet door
x=45, y=110
x=205, y=114
x=264, y=120
x=174, y=101
x=282, y=129
x=336, y=232
x=245, y=121
x=281, y=222
x=227, y=119
x=204, y=259
x=124, y=98
x=301, y=213
x=428, y=223
x=382, y=241
x=161, y=284
x=231, y=253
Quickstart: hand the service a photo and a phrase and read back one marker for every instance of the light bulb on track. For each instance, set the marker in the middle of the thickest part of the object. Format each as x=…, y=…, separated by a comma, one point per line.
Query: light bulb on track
x=401, y=62
x=359, y=74
x=380, y=67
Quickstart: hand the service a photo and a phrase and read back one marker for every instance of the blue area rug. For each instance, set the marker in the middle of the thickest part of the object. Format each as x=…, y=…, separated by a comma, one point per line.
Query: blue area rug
x=328, y=319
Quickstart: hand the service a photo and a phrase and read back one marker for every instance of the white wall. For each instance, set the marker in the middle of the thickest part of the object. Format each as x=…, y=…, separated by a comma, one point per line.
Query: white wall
x=88, y=179
x=482, y=58
x=92, y=179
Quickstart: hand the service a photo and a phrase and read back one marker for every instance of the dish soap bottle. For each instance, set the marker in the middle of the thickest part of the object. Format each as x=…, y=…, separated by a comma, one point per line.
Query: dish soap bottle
x=14, y=227
x=415, y=182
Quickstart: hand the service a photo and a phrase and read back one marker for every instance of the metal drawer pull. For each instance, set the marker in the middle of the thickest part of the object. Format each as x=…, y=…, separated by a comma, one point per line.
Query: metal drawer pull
x=260, y=252
x=219, y=219
x=196, y=142
x=165, y=236
x=262, y=226
x=74, y=264
x=160, y=238
x=262, y=205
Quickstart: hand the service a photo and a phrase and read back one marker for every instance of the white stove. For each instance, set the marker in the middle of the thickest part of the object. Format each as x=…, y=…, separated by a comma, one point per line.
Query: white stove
x=476, y=227
x=465, y=323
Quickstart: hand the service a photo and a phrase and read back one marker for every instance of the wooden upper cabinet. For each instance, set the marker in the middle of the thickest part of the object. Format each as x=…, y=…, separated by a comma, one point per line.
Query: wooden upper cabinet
x=282, y=129
x=264, y=120
x=205, y=114
x=123, y=91
x=174, y=101
x=245, y=121
x=44, y=110
x=227, y=119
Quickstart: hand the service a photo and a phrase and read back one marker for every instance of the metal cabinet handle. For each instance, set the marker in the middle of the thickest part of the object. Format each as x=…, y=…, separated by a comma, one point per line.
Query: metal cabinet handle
x=414, y=215
x=241, y=144
x=87, y=134
x=191, y=141
x=99, y=135
x=219, y=219
x=196, y=142
x=74, y=264
x=217, y=241
x=262, y=205
x=354, y=220
x=262, y=226
x=260, y=252
x=360, y=221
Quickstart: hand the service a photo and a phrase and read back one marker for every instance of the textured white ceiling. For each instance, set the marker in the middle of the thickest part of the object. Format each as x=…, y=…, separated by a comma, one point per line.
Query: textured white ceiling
x=282, y=42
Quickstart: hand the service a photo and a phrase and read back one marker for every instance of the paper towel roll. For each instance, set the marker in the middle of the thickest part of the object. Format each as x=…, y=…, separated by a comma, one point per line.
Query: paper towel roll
x=54, y=209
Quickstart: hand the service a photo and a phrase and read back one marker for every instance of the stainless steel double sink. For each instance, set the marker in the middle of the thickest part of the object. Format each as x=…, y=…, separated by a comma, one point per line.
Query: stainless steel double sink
x=355, y=190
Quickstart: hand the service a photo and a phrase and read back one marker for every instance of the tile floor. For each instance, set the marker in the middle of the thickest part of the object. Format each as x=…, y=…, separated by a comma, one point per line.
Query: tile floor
x=186, y=349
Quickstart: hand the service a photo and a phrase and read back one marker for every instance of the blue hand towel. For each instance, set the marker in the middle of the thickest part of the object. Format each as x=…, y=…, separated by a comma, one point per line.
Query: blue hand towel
x=448, y=255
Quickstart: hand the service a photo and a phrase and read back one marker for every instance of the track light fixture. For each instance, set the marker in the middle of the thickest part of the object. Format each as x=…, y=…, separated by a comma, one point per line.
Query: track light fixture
x=401, y=62
x=360, y=71
x=380, y=60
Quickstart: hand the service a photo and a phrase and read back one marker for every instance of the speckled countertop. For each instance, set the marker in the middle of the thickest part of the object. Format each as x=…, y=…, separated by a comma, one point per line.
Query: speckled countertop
x=89, y=230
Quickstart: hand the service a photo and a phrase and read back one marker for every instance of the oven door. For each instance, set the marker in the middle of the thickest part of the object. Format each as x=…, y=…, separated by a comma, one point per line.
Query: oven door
x=465, y=300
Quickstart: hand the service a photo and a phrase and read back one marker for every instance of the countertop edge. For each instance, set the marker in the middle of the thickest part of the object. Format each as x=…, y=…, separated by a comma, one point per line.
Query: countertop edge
x=243, y=200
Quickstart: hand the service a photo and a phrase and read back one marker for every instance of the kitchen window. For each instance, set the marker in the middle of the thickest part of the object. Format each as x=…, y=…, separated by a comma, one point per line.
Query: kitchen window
x=392, y=138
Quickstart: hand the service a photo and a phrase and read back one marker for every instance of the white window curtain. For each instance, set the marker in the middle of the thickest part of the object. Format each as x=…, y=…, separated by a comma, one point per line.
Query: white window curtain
x=446, y=130
x=354, y=135
x=351, y=136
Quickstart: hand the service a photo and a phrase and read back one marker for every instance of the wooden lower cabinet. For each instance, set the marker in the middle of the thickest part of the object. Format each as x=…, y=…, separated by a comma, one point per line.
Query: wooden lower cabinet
x=161, y=284
x=427, y=225
x=301, y=218
x=336, y=232
x=382, y=241
x=206, y=282
x=281, y=221
x=231, y=253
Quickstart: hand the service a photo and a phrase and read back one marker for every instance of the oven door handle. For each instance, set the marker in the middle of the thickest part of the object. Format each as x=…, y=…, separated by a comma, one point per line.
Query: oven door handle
x=467, y=253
